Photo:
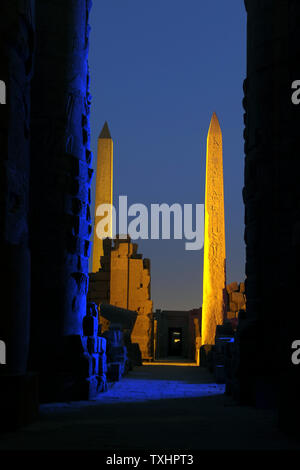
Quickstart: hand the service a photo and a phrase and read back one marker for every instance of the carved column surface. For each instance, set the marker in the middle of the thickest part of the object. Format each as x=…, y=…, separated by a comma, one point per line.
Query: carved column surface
x=61, y=174
x=18, y=386
x=16, y=58
x=271, y=196
x=271, y=187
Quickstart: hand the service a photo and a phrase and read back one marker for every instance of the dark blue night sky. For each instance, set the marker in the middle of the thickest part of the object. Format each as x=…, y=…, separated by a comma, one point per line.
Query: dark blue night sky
x=158, y=71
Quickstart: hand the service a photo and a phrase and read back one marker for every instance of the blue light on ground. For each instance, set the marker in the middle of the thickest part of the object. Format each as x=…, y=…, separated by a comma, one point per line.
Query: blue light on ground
x=137, y=389
x=130, y=391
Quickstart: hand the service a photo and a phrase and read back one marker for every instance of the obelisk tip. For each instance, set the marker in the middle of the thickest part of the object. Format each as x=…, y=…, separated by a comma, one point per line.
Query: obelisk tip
x=214, y=127
x=105, y=133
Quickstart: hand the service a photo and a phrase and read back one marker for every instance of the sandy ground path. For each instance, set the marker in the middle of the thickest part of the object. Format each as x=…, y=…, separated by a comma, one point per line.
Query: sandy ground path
x=154, y=407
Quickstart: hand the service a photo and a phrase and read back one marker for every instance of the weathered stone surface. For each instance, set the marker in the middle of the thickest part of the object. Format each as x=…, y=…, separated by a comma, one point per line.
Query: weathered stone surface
x=117, y=359
x=116, y=315
x=233, y=287
x=231, y=314
x=233, y=306
x=214, y=276
x=16, y=56
x=90, y=321
x=18, y=389
x=271, y=194
x=238, y=298
x=104, y=192
x=60, y=180
x=124, y=282
x=94, y=359
x=236, y=301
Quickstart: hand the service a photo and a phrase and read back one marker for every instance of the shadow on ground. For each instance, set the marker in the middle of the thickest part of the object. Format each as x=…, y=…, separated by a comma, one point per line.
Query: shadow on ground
x=153, y=408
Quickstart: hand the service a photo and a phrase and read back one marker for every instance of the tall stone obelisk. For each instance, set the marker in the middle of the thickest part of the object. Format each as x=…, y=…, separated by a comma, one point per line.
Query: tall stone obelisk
x=104, y=190
x=214, y=271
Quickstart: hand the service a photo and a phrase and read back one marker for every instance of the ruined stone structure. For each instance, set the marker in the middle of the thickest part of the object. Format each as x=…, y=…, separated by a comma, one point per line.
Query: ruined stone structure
x=124, y=281
x=110, y=317
x=265, y=372
x=104, y=193
x=120, y=276
x=109, y=314
x=214, y=275
x=94, y=358
x=177, y=333
x=236, y=299
x=46, y=175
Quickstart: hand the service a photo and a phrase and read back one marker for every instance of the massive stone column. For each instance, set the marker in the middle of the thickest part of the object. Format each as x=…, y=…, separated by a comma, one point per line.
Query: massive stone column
x=266, y=374
x=104, y=192
x=18, y=398
x=214, y=278
x=60, y=222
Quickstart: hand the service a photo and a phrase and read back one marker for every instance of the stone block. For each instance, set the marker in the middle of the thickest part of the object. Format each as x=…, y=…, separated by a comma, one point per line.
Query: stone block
x=242, y=287
x=101, y=345
x=84, y=340
x=102, y=383
x=102, y=364
x=95, y=363
x=238, y=298
x=231, y=315
x=89, y=388
x=90, y=325
x=85, y=366
x=233, y=287
x=92, y=344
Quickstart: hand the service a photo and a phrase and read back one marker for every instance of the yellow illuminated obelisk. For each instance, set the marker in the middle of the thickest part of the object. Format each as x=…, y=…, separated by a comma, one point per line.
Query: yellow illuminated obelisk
x=104, y=189
x=214, y=270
